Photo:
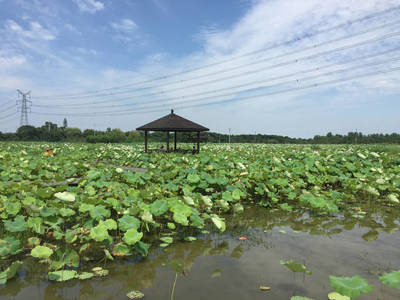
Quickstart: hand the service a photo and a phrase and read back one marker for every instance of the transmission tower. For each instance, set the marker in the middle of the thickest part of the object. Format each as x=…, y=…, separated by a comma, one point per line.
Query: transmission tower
x=24, y=106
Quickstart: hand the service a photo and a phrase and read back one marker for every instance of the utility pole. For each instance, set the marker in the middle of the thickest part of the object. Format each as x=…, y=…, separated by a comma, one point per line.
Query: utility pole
x=229, y=135
x=24, y=106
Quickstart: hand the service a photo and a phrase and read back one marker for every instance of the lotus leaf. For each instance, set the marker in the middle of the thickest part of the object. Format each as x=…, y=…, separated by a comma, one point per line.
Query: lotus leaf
x=63, y=275
x=295, y=267
x=193, y=178
x=135, y=295
x=392, y=279
x=18, y=225
x=65, y=196
x=167, y=239
x=132, y=236
x=159, y=207
x=99, y=233
x=67, y=212
x=110, y=224
x=10, y=272
x=337, y=296
x=99, y=212
x=9, y=246
x=218, y=222
x=147, y=216
x=99, y=272
x=85, y=275
x=121, y=249
x=350, y=286
x=128, y=222
x=42, y=252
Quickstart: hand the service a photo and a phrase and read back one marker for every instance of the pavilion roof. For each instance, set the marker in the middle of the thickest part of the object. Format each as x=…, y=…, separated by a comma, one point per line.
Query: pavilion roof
x=172, y=122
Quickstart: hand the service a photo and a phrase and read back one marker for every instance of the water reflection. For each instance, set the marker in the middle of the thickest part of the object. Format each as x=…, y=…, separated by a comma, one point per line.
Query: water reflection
x=217, y=259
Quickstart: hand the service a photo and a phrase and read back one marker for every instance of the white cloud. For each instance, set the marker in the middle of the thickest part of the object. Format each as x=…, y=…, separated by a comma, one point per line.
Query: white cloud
x=124, y=25
x=89, y=6
x=35, y=31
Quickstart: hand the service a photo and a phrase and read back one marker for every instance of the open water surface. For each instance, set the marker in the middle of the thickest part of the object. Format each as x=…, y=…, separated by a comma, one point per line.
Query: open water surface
x=220, y=266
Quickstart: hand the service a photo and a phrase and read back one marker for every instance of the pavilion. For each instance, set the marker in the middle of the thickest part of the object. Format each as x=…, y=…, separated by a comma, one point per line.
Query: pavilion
x=172, y=123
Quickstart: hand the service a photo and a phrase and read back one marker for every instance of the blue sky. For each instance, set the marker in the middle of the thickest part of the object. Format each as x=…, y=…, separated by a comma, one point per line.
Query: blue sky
x=117, y=57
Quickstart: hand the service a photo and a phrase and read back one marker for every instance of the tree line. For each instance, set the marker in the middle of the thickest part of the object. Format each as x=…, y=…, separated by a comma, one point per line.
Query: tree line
x=51, y=132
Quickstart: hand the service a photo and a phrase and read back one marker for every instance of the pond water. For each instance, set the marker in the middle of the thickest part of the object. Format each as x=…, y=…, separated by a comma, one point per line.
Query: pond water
x=220, y=266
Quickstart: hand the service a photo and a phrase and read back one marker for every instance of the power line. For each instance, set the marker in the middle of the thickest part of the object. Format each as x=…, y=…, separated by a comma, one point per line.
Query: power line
x=7, y=108
x=314, y=85
x=7, y=116
x=348, y=23
x=80, y=105
x=230, y=94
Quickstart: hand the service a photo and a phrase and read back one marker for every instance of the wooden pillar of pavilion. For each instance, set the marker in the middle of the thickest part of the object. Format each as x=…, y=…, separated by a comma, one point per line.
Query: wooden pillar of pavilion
x=175, y=141
x=167, y=141
x=145, y=141
x=198, y=141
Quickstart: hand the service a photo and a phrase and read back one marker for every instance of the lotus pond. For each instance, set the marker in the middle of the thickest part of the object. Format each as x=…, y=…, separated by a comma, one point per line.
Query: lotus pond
x=241, y=221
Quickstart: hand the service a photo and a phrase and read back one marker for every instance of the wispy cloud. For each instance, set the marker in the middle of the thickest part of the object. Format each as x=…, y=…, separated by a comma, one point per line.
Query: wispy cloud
x=89, y=6
x=124, y=25
x=35, y=31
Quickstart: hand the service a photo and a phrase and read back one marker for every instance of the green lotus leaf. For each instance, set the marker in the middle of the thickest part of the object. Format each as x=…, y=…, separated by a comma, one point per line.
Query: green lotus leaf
x=18, y=225
x=132, y=236
x=99, y=233
x=99, y=212
x=218, y=222
x=147, y=216
x=392, y=279
x=238, y=208
x=180, y=218
x=135, y=295
x=110, y=224
x=99, y=272
x=128, y=222
x=85, y=275
x=193, y=178
x=71, y=258
x=36, y=223
x=171, y=225
x=207, y=201
x=190, y=239
x=188, y=200
x=159, y=207
x=85, y=207
x=196, y=221
x=42, y=252
x=66, y=212
x=295, y=267
x=65, y=196
x=9, y=246
x=350, y=286
x=93, y=175
x=121, y=249
x=142, y=248
x=63, y=275
x=167, y=239
x=71, y=236
x=337, y=296
x=12, y=208
x=10, y=272
x=48, y=211
x=393, y=198
x=227, y=196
